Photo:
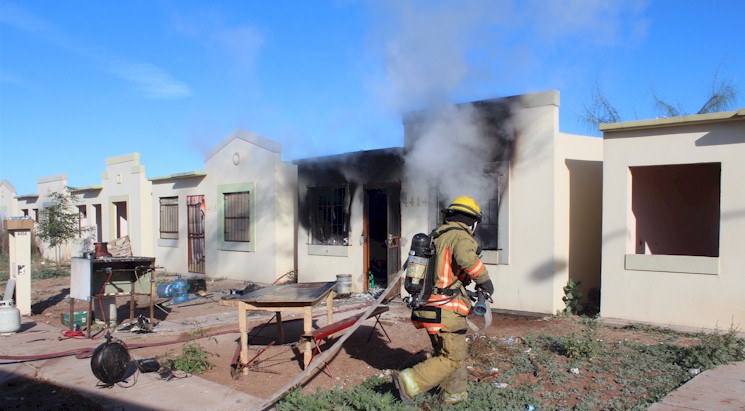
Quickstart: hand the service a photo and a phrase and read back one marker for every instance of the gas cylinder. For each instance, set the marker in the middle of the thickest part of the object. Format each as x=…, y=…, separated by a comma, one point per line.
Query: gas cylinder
x=10, y=319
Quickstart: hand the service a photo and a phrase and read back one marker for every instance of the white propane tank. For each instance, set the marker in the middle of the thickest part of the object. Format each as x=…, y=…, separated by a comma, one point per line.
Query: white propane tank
x=10, y=318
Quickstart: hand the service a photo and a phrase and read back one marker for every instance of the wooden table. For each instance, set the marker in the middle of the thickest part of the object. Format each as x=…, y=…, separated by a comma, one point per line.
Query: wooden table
x=281, y=298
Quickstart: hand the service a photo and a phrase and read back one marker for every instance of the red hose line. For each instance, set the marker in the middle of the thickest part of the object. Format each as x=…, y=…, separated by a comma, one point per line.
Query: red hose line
x=87, y=352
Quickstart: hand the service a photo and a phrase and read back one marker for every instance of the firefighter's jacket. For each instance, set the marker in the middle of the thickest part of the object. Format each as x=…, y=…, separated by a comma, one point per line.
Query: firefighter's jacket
x=457, y=263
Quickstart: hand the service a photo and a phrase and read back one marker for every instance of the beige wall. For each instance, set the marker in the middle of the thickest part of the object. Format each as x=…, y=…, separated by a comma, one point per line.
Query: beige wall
x=125, y=181
x=553, y=177
x=173, y=254
x=691, y=291
x=248, y=160
x=549, y=186
x=7, y=200
x=46, y=186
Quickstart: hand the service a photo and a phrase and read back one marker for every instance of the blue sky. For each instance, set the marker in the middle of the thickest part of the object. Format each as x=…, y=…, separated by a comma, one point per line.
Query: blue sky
x=84, y=80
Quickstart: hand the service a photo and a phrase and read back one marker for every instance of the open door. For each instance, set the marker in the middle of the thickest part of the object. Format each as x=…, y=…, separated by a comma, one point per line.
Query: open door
x=382, y=234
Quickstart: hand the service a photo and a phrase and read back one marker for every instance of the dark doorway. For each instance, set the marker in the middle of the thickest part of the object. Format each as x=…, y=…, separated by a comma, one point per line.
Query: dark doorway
x=382, y=235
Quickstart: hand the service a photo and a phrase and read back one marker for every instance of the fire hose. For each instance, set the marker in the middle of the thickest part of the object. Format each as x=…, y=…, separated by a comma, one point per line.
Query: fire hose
x=337, y=345
x=86, y=352
x=330, y=351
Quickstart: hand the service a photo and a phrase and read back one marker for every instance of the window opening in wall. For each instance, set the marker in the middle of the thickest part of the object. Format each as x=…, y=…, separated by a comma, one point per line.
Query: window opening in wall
x=122, y=225
x=329, y=209
x=36, y=214
x=676, y=209
x=82, y=220
x=488, y=199
x=169, y=217
x=237, y=216
x=99, y=220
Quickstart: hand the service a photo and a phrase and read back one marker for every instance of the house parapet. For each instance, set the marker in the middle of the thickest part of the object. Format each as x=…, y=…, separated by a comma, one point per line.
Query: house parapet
x=735, y=115
x=176, y=176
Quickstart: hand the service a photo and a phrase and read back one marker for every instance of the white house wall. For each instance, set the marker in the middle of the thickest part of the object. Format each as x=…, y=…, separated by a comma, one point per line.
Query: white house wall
x=579, y=213
x=664, y=295
x=286, y=217
x=124, y=181
x=172, y=254
x=532, y=266
x=247, y=158
x=46, y=187
x=8, y=203
x=527, y=282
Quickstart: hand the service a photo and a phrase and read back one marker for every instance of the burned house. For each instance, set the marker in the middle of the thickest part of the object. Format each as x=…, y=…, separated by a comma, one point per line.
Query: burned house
x=539, y=189
x=349, y=217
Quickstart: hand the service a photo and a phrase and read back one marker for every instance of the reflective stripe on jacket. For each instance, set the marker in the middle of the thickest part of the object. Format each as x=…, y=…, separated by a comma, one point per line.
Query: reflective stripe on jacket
x=456, y=263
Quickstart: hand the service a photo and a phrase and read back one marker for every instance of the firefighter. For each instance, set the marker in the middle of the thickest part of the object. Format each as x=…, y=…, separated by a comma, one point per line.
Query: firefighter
x=443, y=314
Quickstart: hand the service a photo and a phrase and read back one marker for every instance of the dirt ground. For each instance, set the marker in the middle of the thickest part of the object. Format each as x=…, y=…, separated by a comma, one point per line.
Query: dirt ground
x=368, y=352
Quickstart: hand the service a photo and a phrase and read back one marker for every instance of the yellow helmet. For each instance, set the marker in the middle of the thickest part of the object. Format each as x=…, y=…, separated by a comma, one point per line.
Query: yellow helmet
x=466, y=205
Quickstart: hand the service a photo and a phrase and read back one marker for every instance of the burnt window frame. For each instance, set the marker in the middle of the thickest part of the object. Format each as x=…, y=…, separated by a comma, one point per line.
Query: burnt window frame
x=489, y=225
x=329, y=211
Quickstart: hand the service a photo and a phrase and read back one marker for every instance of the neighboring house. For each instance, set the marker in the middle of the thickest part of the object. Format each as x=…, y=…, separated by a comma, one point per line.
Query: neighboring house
x=237, y=219
x=7, y=200
x=32, y=205
x=673, y=220
x=539, y=189
x=119, y=207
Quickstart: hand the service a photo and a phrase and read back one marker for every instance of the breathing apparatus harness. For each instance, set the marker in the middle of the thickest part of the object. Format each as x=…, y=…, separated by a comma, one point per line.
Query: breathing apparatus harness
x=420, y=276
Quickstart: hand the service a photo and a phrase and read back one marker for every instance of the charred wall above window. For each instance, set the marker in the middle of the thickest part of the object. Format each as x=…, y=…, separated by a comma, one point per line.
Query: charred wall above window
x=352, y=170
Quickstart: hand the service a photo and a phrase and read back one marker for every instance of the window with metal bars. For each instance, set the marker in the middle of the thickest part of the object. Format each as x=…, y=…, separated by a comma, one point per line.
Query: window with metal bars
x=488, y=200
x=169, y=217
x=82, y=220
x=329, y=209
x=237, y=216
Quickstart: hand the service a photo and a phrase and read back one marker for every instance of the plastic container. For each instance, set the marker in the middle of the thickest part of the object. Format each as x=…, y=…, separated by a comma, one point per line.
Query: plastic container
x=180, y=290
x=343, y=285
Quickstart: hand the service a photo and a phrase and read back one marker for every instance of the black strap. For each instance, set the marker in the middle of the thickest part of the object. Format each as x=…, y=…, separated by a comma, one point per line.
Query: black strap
x=451, y=292
x=436, y=310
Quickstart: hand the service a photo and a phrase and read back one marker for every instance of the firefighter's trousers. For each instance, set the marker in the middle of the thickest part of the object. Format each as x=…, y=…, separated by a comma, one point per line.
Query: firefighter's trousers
x=447, y=368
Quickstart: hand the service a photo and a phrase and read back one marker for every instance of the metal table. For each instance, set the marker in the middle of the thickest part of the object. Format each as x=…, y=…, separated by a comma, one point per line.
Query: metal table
x=290, y=297
x=111, y=277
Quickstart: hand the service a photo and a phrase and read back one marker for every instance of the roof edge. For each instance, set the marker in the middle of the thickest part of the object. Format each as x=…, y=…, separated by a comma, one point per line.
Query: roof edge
x=674, y=121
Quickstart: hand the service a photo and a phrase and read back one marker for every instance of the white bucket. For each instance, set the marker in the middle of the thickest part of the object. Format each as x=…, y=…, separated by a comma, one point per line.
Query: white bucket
x=344, y=284
x=109, y=310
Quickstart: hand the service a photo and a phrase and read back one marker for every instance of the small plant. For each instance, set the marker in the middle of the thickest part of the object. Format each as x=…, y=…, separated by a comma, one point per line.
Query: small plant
x=579, y=346
x=714, y=349
x=193, y=358
x=60, y=221
x=572, y=298
x=374, y=393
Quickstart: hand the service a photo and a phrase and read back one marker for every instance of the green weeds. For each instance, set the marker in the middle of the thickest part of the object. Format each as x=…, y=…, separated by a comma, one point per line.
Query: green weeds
x=193, y=358
x=577, y=371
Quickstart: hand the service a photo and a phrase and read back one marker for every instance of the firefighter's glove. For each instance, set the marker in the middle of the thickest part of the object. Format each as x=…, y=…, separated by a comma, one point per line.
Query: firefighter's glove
x=487, y=287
